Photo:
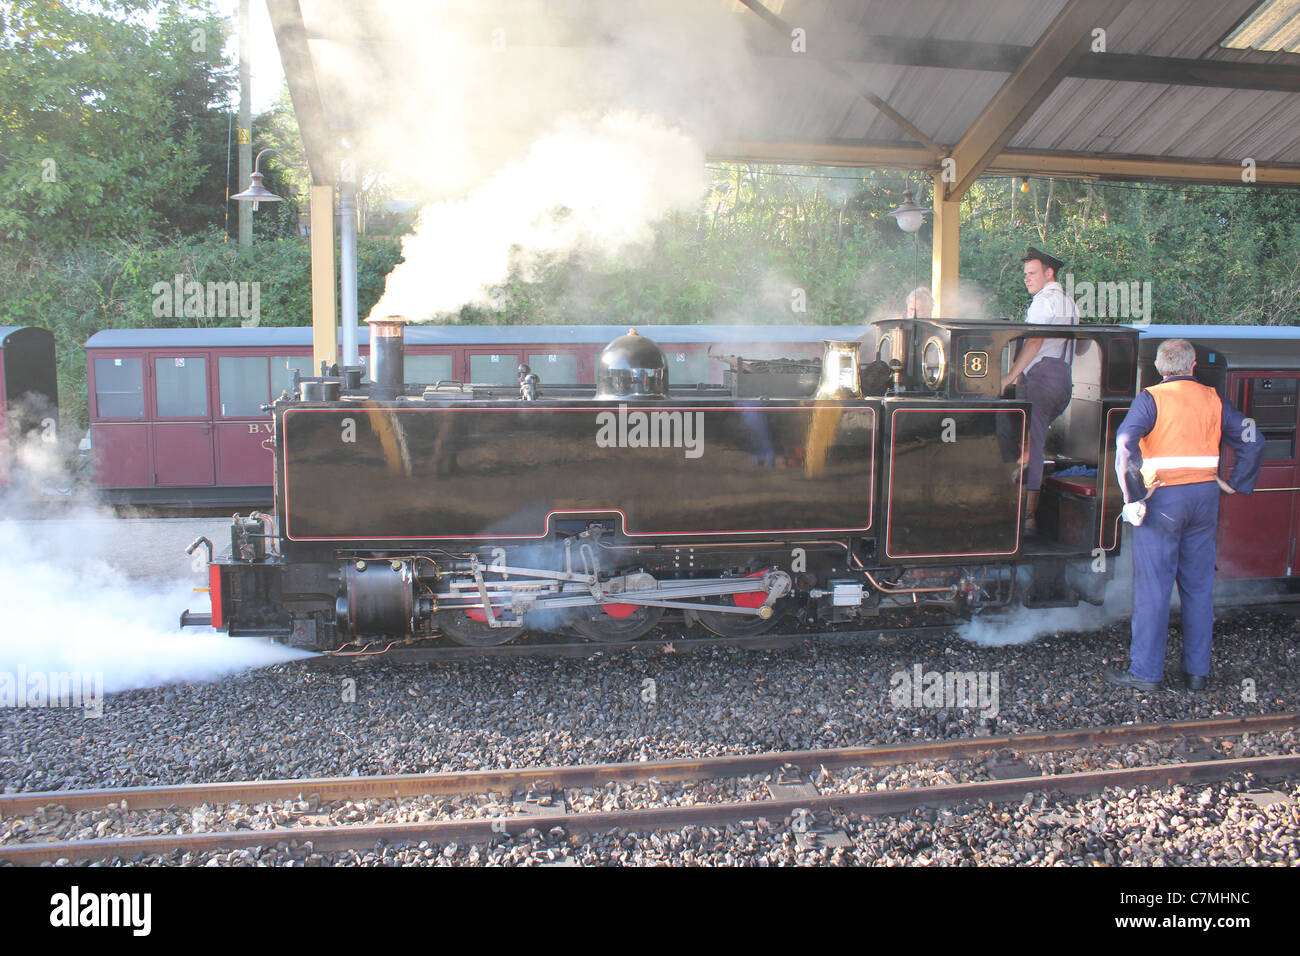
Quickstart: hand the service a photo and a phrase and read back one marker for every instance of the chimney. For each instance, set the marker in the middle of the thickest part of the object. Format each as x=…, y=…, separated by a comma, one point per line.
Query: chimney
x=387, y=358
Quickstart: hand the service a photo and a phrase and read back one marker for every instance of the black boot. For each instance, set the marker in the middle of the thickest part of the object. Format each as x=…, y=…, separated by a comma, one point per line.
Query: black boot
x=1126, y=679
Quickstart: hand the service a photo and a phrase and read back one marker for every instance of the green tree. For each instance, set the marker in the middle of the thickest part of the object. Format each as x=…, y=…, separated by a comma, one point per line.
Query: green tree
x=108, y=116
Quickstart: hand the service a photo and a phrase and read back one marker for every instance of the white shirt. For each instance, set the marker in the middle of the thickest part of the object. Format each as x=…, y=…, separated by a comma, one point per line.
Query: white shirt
x=1051, y=306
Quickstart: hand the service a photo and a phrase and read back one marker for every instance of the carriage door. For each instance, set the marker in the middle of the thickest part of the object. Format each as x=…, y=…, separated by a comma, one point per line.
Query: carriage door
x=182, y=428
x=1257, y=532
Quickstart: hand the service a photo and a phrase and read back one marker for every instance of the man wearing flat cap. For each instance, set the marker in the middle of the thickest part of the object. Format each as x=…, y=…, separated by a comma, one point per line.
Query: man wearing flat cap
x=1041, y=370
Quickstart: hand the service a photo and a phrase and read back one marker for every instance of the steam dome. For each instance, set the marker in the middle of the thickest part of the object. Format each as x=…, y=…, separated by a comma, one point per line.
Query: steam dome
x=631, y=366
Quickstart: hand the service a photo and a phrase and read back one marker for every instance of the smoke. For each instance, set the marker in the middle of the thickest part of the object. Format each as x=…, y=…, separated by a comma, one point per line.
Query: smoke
x=530, y=129
x=68, y=603
x=972, y=302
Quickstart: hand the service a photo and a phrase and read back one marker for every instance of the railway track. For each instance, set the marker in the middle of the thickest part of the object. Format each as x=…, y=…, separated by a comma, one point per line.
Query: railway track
x=791, y=796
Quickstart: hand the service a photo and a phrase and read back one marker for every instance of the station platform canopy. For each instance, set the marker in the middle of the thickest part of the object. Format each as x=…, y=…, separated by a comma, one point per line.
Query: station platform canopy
x=1181, y=90
x=1193, y=91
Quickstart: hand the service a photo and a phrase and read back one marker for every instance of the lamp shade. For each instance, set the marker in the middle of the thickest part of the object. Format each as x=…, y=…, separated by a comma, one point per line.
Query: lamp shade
x=909, y=215
x=256, y=192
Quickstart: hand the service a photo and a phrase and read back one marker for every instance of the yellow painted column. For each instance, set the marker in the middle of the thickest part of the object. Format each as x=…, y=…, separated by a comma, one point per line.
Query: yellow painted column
x=943, y=283
x=324, y=320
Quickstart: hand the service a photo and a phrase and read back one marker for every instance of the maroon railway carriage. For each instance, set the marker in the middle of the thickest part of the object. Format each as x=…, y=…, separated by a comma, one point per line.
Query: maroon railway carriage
x=29, y=388
x=176, y=414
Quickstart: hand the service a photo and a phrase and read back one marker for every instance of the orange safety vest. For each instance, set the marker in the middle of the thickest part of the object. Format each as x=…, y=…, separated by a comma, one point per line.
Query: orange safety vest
x=1183, y=447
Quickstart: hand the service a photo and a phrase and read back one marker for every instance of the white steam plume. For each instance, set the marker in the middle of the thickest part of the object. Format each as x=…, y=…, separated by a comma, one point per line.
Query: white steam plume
x=594, y=185
x=530, y=128
x=1028, y=624
x=66, y=607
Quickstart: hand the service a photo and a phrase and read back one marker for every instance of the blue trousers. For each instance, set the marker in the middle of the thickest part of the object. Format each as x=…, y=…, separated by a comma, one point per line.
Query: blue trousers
x=1174, y=542
x=1048, y=387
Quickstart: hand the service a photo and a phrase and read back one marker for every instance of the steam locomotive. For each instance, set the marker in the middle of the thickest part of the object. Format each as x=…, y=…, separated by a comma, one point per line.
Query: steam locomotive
x=487, y=512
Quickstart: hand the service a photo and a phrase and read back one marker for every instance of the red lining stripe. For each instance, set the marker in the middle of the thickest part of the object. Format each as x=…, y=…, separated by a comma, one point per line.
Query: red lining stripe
x=871, y=481
x=1103, y=484
x=889, y=508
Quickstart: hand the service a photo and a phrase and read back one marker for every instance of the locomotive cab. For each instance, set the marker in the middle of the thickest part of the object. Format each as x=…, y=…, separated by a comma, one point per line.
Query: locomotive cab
x=952, y=438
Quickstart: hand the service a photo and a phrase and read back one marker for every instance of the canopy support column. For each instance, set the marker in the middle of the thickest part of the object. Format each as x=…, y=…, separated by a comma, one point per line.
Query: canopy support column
x=324, y=324
x=943, y=282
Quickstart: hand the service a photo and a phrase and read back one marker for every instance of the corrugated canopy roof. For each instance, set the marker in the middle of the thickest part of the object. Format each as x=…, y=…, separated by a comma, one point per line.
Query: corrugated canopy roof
x=1010, y=86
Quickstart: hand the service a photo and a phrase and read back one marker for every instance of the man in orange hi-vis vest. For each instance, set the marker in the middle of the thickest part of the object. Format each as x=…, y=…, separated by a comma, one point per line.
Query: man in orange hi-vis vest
x=1167, y=459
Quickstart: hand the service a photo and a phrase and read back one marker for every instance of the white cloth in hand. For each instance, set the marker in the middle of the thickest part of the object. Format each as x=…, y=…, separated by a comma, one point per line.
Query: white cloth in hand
x=1134, y=512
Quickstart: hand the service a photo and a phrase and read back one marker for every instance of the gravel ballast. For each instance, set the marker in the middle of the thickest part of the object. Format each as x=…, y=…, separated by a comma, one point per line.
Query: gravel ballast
x=294, y=720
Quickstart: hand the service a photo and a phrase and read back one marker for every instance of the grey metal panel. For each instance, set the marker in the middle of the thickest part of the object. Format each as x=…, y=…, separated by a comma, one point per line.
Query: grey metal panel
x=1145, y=119
x=1128, y=119
x=1184, y=28
x=1008, y=21
x=942, y=103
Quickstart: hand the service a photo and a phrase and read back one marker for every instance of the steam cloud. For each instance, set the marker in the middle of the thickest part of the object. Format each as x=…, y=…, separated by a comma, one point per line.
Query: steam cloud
x=594, y=184
x=531, y=128
x=66, y=607
x=1029, y=624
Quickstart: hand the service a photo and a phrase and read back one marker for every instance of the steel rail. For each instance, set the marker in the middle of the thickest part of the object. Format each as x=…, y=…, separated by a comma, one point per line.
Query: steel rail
x=480, y=830
x=561, y=777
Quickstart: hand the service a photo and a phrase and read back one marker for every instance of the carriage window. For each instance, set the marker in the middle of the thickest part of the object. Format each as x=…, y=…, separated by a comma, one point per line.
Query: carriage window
x=182, y=386
x=243, y=386
x=282, y=369
x=119, y=387
x=553, y=367
x=427, y=369
x=500, y=369
x=1271, y=402
x=687, y=368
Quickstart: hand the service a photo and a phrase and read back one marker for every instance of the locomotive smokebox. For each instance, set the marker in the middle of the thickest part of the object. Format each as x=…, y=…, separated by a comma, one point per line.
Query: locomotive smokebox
x=387, y=357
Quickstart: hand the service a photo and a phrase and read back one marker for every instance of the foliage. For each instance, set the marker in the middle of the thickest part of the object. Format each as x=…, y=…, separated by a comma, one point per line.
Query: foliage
x=79, y=291
x=768, y=239
x=1212, y=254
x=108, y=122
x=114, y=147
